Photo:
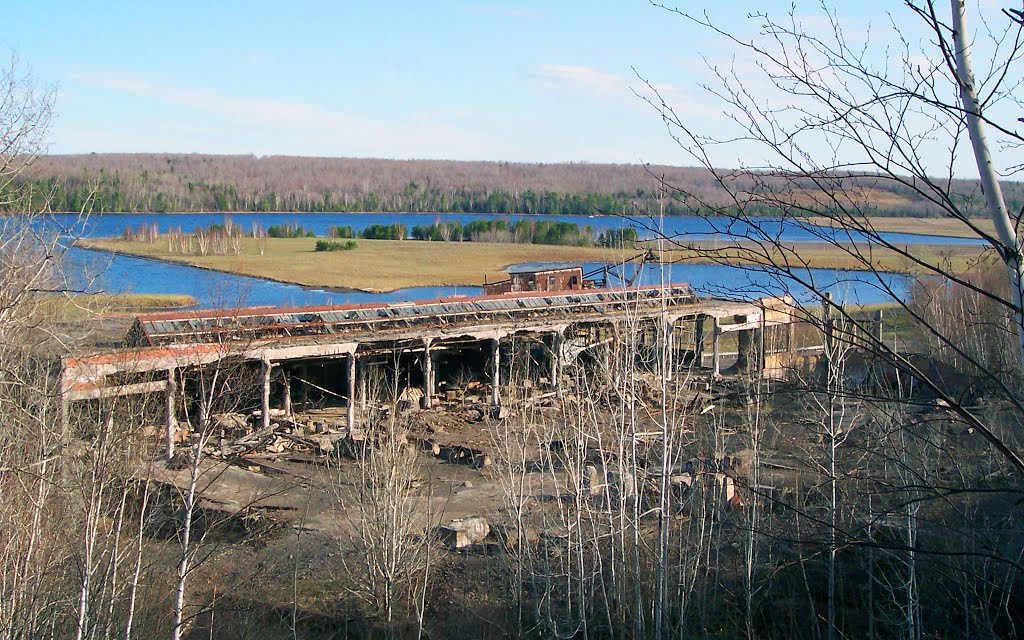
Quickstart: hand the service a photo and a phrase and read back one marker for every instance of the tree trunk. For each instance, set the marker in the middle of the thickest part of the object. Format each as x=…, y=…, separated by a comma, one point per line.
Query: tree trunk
x=1010, y=248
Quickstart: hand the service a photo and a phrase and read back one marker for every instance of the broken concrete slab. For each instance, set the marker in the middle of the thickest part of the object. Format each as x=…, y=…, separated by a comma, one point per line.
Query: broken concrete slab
x=465, y=532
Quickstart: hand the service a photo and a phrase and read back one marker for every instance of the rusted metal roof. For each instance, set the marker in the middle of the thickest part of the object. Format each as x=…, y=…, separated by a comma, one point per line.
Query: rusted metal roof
x=542, y=267
x=259, y=323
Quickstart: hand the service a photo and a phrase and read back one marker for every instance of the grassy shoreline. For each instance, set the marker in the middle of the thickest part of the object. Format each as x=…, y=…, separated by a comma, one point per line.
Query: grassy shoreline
x=386, y=265
x=86, y=305
x=947, y=227
x=374, y=266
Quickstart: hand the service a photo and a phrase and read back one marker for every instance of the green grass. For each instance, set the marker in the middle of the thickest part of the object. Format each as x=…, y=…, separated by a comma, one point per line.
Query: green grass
x=927, y=226
x=374, y=265
x=83, y=306
x=854, y=257
x=386, y=265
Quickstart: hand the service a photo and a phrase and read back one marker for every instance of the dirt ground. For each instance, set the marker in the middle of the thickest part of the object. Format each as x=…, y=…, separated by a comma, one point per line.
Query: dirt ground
x=294, y=504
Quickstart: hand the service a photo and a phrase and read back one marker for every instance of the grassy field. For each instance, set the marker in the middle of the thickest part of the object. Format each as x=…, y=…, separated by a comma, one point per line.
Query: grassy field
x=375, y=265
x=386, y=265
x=859, y=257
x=928, y=226
x=87, y=305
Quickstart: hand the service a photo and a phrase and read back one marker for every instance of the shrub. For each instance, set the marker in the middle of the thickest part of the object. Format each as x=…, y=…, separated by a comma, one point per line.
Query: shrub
x=332, y=245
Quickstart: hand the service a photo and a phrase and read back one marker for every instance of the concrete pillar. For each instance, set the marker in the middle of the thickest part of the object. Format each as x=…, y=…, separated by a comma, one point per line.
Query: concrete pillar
x=428, y=374
x=265, y=399
x=879, y=316
x=716, y=366
x=350, y=410
x=170, y=394
x=287, y=380
x=361, y=381
x=495, y=372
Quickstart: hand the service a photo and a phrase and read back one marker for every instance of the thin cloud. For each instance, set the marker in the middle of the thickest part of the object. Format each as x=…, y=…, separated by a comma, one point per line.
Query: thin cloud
x=587, y=79
x=595, y=82
x=199, y=99
x=277, y=126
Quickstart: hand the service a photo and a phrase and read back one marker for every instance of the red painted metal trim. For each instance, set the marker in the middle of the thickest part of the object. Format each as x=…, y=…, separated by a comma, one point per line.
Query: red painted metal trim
x=269, y=311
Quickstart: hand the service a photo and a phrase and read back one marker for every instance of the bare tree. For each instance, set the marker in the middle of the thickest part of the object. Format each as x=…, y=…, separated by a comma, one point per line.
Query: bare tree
x=1007, y=243
x=388, y=538
x=31, y=438
x=899, y=469
x=879, y=120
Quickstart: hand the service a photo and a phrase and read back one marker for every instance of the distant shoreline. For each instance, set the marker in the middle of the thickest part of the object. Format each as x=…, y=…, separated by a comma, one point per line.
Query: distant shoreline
x=939, y=227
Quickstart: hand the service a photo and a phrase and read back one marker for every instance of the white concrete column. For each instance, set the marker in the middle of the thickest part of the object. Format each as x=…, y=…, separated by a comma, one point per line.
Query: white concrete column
x=287, y=391
x=265, y=398
x=350, y=410
x=428, y=374
x=362, y=377
x=791, y=335
x=170, y=394
x=495, y=372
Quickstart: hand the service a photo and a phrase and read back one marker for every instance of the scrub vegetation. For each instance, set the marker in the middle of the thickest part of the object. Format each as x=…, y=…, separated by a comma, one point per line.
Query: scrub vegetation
x=856, y=474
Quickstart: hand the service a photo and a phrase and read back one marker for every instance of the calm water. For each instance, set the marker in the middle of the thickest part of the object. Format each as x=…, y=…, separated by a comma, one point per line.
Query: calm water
x=99, y=271
x=678, y=228
x=121, y=274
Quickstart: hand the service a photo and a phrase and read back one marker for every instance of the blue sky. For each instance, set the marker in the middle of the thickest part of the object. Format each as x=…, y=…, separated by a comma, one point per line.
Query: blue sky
x=518, y=81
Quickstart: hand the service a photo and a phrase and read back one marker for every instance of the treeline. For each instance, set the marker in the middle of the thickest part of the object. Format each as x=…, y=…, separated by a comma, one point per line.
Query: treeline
x=525, y=232
x=192, y=182
x=111, y=193
x=226, y=237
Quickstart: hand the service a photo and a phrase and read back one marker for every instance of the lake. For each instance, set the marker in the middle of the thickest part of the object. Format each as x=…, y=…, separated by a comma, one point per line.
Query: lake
x=124, y=274
x=676, y=228
x=121, y=274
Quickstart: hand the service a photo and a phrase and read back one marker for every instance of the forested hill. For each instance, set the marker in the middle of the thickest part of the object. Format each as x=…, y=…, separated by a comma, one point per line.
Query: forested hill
x=194, y=182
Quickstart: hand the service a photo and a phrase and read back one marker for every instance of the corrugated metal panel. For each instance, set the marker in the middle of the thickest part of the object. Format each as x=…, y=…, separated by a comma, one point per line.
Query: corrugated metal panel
x=165, y=328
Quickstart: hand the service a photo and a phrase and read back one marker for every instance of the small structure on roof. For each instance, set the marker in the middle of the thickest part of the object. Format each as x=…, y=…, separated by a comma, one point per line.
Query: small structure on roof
x=539, y=276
